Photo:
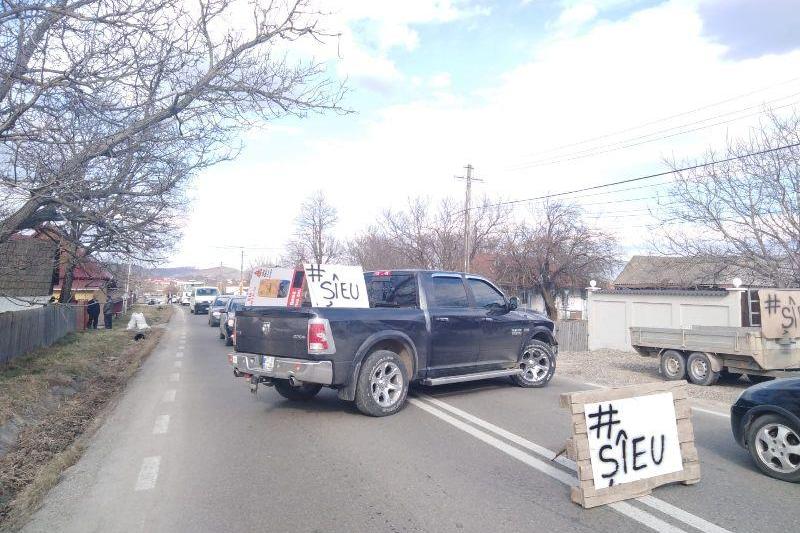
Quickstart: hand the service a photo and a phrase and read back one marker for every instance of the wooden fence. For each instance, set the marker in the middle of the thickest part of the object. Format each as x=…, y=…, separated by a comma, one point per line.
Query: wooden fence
x=572, y=335
x=26, y=330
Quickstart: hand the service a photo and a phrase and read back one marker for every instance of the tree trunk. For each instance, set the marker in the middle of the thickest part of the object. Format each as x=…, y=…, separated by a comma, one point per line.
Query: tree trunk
x=21, y=218
x=66, y=284
x=550, y=307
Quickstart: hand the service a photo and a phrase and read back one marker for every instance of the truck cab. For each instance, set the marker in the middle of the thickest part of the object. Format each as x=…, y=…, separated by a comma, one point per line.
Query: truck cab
x=201, y=299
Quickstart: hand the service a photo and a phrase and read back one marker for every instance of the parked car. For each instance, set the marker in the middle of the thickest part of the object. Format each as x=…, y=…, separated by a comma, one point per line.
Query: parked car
x=201, y=299
x=765, y=420
x=227, y=319
x=422, y=326
x=216, y=308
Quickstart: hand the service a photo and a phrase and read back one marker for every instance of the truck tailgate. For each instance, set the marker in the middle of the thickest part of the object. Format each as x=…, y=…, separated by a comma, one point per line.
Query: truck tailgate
x=276, y=331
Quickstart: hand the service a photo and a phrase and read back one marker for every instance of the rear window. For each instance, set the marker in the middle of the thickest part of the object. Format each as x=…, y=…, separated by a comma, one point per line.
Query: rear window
x=236, y=305
x=206, y=292
x=221, y=301
x=449, y=292
x=395, y=290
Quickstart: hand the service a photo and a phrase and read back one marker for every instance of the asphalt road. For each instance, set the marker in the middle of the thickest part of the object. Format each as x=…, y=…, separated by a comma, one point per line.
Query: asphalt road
x=188, y=448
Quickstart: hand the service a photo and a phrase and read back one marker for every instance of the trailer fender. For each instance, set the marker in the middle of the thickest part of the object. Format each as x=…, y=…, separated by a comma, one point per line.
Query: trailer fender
x=716, y=362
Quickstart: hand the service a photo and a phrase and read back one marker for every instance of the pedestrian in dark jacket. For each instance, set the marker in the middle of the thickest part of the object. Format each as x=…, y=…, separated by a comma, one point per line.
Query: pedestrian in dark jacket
x=93, y=310
x=108, y=313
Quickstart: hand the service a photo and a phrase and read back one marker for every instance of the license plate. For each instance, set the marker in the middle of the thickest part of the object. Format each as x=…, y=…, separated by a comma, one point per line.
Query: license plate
x=268, y=363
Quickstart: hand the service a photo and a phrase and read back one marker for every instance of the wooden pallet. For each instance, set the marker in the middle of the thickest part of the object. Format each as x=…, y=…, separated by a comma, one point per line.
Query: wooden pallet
x=577, y=449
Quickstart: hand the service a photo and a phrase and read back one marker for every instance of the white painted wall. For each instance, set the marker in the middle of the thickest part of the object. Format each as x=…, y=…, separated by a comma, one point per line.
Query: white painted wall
x=611, y=314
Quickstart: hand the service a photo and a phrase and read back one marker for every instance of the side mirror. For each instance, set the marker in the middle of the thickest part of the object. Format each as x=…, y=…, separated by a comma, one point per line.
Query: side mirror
x=513, y=303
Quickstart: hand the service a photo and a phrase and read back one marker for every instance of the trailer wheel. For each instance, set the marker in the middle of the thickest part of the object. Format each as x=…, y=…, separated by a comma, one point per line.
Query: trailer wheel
x=699, y=369
x=673, y=365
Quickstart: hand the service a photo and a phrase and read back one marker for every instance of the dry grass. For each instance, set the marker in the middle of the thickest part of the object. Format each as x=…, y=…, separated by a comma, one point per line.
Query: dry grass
x=50, y=401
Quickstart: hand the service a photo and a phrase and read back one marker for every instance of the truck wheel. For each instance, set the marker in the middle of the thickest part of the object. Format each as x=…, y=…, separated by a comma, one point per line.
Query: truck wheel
x=774, y=445
x=382, y=384
x=673, y=365
x=538, y=365
x=759, y=378
x=698, y=367
x=221, y=335
x=299, y=393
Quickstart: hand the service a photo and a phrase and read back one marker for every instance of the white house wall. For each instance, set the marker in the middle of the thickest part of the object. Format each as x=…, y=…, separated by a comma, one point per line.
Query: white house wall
x=611, y=314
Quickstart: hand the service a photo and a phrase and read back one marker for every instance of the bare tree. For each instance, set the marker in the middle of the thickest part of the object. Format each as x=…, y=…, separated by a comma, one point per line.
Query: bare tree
x=314, y=240
x=745, y=211
x=554, y=251
x=434, y=238
x=85, y=85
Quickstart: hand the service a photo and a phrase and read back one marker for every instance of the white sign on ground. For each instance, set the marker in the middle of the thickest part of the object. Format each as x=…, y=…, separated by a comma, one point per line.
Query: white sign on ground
x=632, y=439
x=336, y=286
x=269, y=287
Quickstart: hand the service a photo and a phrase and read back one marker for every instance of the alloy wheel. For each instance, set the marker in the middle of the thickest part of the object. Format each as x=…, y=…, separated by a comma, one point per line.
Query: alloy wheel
x=535, y=365
x=386, y=384
x=778, y=447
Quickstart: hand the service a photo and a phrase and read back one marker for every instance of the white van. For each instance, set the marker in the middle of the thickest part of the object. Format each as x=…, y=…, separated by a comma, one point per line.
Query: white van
x=201, y=299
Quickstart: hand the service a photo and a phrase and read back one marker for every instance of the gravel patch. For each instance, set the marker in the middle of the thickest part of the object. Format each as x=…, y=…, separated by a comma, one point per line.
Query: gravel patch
x=614, y=368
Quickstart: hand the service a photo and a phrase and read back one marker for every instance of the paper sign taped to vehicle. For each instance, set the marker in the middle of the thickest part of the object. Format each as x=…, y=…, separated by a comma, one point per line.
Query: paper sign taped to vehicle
x=632, y=438
x=336, y=286
x=780, y=313
x=269, y=287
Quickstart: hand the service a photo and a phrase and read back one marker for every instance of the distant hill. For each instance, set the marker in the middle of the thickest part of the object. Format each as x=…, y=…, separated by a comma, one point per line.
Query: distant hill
x=186, y=273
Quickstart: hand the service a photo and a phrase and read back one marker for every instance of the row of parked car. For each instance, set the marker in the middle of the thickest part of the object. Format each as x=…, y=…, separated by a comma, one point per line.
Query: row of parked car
x=221, y=314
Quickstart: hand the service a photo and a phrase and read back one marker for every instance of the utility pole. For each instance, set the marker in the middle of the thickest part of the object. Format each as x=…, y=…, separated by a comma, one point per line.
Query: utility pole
x=241, y=274
x=467, y=211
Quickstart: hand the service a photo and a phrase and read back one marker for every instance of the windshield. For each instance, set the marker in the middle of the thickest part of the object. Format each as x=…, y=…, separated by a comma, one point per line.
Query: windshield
x=205, y=292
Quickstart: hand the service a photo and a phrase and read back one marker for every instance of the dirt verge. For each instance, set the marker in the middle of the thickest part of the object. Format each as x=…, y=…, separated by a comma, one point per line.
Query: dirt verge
x=615, y=368
x=53, y=399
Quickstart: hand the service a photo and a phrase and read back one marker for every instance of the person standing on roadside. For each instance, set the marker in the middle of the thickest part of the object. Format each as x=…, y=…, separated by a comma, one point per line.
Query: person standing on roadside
x=93, y=310
x=108, y=312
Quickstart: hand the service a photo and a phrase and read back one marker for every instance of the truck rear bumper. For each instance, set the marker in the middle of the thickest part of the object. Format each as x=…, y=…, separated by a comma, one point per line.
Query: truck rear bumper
x=284, y=368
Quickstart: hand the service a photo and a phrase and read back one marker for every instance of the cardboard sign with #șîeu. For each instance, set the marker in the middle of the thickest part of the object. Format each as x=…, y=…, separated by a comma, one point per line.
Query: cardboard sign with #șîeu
x=336, y=286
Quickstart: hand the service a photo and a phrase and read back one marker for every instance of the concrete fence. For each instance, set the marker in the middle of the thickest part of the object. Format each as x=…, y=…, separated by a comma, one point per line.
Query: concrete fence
x=26, y=330
x=572, y=335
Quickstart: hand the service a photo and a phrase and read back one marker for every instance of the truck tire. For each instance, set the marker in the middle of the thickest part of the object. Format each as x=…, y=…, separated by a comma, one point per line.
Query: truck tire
x=538, y=365
x=759, y=378
x=699, y=370
x=672, y=365
x=299, y=393
x=382, y=384
x=772, y=441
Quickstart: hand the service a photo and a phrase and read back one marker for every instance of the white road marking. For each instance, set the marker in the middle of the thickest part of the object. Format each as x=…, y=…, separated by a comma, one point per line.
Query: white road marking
x=169, y=396
x=179, y=354
x=162, y=425
x=650, y=501
x=710, y=412
x=148, y=473
x=626, y=509
x=175, y=376
x=178, y=364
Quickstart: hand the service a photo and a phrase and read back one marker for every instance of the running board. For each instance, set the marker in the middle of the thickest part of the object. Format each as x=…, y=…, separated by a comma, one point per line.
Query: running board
x=472, y=377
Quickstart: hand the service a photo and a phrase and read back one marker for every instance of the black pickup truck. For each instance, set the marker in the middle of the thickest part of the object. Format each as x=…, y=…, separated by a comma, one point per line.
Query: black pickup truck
x=422, y=326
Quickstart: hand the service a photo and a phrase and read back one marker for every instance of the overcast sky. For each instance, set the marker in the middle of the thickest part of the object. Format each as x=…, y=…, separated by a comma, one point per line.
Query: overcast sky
x=502, y=85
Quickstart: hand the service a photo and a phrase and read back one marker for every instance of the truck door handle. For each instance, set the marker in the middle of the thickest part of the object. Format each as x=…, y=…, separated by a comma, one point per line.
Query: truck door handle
x=442, y=319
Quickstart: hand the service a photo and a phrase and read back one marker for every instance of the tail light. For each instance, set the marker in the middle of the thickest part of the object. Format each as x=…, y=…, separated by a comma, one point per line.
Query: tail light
x=233, y=334
x=320, y=338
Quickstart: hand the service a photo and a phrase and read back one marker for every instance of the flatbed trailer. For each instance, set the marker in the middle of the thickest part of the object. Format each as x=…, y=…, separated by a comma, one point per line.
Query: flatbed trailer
x=706, y=353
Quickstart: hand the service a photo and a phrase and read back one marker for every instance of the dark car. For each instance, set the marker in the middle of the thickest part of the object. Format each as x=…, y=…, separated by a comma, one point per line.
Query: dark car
x=429, y=327
x=766, y=421
x=216, y=308
x=226, y=319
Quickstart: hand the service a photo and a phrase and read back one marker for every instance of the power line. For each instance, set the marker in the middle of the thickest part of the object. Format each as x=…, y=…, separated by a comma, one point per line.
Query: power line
x=640, y=178
x=630, y=143
x=684, y=113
